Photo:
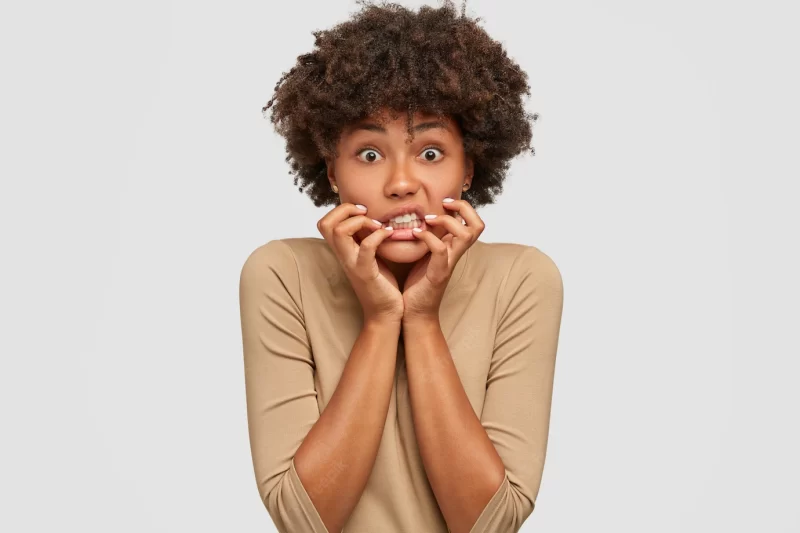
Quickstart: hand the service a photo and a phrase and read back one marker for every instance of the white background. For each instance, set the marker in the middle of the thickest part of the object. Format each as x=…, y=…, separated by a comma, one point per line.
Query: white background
x=138, y=174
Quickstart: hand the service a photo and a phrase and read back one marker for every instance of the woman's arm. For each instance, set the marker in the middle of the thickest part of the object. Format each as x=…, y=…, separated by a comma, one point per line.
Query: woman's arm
x=336, y=458
x=462, y=466
x=486, y=473
x=311, y=468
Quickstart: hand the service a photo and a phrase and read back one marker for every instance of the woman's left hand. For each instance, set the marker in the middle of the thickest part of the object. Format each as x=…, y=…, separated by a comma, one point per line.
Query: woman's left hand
x=427, y=280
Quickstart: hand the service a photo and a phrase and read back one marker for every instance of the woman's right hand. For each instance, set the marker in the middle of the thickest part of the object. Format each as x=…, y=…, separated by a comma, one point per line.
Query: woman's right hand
x=373, y=283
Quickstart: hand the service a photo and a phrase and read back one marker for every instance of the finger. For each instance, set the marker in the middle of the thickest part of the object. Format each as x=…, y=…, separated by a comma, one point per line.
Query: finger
x=439, y=265
x=336, y=215
x=468, y=213
x=459, y=237
x=452, y=225
x=342, y=236
x=368, y=248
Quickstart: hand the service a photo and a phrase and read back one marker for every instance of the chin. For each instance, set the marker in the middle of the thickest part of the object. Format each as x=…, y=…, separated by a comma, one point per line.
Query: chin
x=402, y=251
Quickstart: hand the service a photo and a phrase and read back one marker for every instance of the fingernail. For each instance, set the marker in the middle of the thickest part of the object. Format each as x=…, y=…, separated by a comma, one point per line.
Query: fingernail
x=430, y=217
x=447, y=200
x=416, y=230
x=378, y=222
x=389, y=228
x=361, y=207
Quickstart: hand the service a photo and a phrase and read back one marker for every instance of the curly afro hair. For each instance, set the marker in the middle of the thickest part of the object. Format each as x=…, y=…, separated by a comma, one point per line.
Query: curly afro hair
x=434, y=61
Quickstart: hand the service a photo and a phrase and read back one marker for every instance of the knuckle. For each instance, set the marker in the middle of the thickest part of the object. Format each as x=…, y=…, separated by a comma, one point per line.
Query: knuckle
x=367, y=250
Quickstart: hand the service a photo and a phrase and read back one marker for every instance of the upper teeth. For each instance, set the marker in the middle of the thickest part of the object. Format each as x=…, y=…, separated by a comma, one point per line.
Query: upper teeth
x=408, y=217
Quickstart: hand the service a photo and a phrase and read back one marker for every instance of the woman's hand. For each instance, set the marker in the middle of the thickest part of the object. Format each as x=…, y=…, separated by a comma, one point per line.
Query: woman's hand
x=373, y=283
x=427, y=280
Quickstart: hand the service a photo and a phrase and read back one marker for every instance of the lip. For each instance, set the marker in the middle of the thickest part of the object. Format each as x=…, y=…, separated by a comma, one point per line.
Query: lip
x=402, y=210
x=405, y=234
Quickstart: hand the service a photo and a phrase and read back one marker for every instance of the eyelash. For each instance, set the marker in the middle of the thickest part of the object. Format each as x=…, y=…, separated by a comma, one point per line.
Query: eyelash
x=365, y=148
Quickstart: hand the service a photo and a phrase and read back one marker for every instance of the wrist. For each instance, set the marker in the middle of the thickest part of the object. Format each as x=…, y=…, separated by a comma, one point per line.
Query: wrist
x=417, y=322
x=383, y=323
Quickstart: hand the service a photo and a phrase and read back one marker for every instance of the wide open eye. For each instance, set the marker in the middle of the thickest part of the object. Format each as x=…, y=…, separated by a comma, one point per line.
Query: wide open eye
x=429, y=154
x=372, y=155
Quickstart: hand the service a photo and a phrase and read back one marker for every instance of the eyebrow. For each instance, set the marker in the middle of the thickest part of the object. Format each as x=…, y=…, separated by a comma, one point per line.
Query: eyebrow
x=424, y=126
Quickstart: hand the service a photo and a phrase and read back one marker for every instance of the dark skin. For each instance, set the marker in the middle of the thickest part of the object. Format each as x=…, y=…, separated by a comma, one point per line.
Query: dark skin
x=381, y=170
x=438, y=61
x=432, y=60
x=414, y=274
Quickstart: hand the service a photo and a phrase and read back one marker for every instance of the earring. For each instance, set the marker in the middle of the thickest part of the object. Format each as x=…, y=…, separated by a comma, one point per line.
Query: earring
x=335, y=189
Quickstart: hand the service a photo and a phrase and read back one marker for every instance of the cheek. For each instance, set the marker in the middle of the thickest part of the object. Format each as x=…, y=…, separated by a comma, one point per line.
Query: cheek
x=445, y=184
x=360, y=187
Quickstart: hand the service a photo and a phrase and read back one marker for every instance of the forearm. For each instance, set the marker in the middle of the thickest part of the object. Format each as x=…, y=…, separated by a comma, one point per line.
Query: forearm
x=461, y=463
x=337, y=455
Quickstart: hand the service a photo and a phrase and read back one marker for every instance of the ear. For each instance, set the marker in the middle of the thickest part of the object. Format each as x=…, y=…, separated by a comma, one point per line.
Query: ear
x=470, y=172
x=330, y=171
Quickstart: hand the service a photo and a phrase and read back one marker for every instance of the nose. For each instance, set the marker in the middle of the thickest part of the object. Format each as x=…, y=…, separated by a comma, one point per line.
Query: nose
x=401, y=181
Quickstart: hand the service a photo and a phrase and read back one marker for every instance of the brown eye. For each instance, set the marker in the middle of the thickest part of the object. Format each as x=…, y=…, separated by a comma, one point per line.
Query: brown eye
x=430, y=154
x=371, y=155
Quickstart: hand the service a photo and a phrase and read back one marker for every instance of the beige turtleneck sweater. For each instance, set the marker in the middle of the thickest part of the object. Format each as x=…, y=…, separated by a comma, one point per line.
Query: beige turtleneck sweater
x=500, y=314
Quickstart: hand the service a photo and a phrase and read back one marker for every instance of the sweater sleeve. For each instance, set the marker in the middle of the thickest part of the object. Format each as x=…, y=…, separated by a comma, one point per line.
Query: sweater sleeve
x=279, y=382
x=519, y=386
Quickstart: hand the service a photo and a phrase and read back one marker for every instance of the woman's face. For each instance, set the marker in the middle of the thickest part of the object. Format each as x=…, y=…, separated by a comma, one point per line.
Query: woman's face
x=379, y=169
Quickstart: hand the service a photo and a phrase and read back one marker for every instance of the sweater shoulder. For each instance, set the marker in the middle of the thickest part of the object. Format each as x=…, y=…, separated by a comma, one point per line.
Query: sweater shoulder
x=502, y=256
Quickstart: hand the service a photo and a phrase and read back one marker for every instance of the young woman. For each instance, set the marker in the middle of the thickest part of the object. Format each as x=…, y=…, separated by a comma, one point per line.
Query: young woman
x=399, y=371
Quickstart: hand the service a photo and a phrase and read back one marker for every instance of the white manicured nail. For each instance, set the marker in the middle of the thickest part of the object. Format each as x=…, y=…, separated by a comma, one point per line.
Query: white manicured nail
x=430, y=217
x=416, y=230
x=361, y=207
x=447, y=200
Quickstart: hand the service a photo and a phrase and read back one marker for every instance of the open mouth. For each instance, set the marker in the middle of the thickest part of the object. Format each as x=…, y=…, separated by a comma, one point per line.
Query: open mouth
x=407, y=221
x=404, y=225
